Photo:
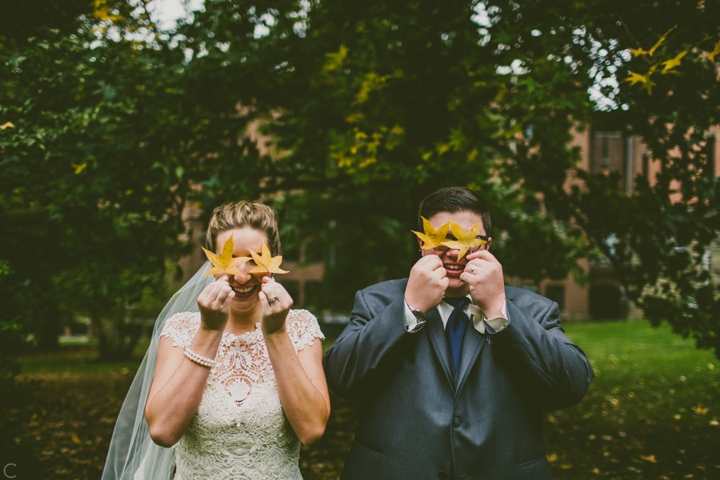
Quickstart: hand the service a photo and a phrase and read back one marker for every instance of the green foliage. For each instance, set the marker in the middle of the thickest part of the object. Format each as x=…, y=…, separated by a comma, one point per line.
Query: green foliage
x=344, y=115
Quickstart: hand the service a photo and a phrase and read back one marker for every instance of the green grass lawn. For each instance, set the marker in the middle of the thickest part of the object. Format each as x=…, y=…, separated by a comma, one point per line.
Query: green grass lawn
x=652, y=411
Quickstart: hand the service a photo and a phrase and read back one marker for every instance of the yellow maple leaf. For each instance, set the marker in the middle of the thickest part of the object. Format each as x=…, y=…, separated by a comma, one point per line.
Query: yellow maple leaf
x=7, y=125
x=644, y=79
x=636, y=52
x=635, y=78
x=711, y=55
x=225, y=263
x=266, y=263
x=660, y=42
x=464, y=240
x=648, y=85
x=432, y=238
x=672, y=63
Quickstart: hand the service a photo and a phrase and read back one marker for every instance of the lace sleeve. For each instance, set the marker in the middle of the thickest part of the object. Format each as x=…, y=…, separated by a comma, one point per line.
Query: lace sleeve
x=181, y=328
x=303, y=328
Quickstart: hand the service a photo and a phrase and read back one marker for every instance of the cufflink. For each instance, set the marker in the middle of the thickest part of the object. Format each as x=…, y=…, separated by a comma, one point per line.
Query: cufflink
x=419, y=319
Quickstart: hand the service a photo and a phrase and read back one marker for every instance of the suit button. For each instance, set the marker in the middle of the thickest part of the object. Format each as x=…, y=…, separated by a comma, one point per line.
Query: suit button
x=457, y=421
x=443, y=476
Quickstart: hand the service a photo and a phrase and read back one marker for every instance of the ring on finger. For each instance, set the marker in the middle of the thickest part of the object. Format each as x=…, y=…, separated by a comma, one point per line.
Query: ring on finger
x=272, y=300
x=472, y=270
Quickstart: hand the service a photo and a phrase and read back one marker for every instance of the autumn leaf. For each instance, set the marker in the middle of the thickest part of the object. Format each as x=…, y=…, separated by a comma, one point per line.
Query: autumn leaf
x=464, y=240
x=7, y=125
x=266, y=263
x=708, y=55
x=636, y=52
x=660, y=42
x=672, y=63
x=644, y=79
x=224, y=263
x=635, y=78
x=432, y=238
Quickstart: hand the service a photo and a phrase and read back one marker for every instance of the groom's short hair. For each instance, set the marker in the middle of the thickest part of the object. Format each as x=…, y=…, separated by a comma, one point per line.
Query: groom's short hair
x=453, y=200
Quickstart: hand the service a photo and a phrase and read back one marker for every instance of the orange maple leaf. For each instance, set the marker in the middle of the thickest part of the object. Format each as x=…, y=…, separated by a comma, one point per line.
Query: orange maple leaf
x=266, y=263
x=432, y=238
x=464, y=240
x=224, y=263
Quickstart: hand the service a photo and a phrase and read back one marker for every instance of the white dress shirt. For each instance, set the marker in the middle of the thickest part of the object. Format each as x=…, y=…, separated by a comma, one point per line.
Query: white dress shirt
x=472, y=311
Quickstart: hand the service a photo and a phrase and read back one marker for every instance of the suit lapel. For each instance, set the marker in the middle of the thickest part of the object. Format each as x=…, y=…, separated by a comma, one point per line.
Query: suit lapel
x=473, y=342
x=436, y=333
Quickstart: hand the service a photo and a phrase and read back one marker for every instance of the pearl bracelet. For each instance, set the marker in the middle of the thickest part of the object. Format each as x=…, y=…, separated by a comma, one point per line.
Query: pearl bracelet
x=199, y=359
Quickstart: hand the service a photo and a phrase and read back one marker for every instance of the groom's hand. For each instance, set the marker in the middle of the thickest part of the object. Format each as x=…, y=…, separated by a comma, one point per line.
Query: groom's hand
x=427, y=283
x=484, y=276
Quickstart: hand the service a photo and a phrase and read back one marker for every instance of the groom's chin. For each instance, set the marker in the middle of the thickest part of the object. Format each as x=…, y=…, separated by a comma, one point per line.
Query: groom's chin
x=456, y=288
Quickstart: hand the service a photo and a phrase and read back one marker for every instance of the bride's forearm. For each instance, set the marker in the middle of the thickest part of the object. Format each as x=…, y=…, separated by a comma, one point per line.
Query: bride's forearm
x=177, y=387
x=301, y=385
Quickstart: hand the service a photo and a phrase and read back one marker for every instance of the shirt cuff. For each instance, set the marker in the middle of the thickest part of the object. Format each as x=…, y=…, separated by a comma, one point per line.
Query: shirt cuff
x=411, y=322
x=498, y=323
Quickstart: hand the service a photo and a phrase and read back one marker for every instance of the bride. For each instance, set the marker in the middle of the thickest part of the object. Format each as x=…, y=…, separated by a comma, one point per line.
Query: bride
x=233, y=380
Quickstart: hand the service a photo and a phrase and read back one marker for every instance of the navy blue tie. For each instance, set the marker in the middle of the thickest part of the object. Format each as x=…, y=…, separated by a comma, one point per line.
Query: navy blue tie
x=455, y=328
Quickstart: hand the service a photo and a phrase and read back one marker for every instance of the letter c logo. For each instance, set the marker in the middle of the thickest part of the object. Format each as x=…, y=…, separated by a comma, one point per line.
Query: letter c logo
x=6, y=472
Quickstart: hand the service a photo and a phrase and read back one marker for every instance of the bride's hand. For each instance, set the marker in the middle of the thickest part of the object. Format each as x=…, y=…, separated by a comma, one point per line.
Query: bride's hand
x=276, y=303
x=214, y=302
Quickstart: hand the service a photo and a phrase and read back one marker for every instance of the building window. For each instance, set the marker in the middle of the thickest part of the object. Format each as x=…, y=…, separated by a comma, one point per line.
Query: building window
x=710, y=149
x=645, y=164
x=556, y=293
x=313, y=295
x=293, y=288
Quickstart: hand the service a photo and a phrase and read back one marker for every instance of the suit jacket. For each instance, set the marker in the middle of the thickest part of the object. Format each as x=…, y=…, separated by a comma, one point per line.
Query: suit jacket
x=419, y=421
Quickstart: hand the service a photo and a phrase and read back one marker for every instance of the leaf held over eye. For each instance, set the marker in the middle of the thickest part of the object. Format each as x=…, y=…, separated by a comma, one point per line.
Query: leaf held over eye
x=432, y=238
x=464, y=240
x=266, y=263
x=224, y=263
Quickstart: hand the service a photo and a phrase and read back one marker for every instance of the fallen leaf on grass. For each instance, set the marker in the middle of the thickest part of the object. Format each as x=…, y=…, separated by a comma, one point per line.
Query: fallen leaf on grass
x=649, y=458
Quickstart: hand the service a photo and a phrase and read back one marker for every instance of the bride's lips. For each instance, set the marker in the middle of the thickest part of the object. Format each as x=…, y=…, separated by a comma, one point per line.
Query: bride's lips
x=245, y=291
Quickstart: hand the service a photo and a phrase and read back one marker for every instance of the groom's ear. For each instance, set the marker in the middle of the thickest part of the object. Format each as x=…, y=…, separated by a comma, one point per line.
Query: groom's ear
x=489, y=242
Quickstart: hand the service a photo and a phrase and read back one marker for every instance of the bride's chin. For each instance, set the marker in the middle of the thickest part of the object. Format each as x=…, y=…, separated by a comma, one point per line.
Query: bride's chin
x=245, y=305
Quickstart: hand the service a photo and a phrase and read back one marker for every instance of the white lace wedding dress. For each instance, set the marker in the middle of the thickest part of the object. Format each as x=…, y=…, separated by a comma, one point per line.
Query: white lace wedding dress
x=240, y=430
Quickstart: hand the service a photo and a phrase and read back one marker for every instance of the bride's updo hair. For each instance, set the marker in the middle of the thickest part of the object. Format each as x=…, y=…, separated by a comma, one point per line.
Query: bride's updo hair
x=230, y=216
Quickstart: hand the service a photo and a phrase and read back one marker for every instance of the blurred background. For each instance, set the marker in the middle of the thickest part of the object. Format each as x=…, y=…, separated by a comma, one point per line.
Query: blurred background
x=589, y=127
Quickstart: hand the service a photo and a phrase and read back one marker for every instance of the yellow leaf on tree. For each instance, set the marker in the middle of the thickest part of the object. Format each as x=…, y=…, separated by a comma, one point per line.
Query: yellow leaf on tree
x=78, y=168
x=636, y=52
x=660, y=42
x=636, y=78
x=711, y=55
x=266, y=263
x=673, y=63
x=432, y=238
x=6, y=125
x=464, y=240
x=644, y=79
x=225, y=263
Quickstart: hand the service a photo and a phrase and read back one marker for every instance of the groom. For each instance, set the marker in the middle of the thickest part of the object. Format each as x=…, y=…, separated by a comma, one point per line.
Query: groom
x=450, y=368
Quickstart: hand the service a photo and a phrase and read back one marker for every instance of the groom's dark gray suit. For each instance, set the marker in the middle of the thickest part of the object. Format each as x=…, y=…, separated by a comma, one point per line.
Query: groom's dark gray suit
x=419, y=421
